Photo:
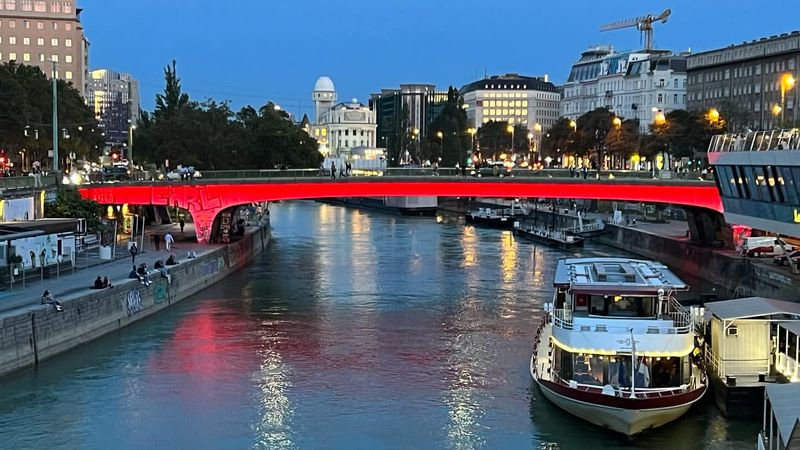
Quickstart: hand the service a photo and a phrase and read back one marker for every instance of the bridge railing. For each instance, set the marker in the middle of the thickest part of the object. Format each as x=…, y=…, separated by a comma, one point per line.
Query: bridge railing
x=755, y=141
x=444, y=172
x=26, y=182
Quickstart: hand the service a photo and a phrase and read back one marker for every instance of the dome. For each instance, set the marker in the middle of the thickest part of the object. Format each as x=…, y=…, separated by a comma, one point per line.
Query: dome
x=324, y=84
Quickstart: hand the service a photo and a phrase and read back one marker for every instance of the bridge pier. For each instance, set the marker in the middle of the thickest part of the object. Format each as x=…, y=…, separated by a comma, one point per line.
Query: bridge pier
x=707, y=227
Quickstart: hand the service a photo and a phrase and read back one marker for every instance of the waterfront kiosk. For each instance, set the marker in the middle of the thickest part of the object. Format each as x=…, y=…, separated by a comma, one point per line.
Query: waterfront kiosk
x=742, y=337
x=781, y=425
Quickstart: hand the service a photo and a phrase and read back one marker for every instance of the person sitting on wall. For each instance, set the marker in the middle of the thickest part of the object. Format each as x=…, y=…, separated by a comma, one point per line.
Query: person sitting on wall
x=47, y=299
x=98, y=283
x=107, y=283
x=171, y=261
x=160, y=267
x=142, y=273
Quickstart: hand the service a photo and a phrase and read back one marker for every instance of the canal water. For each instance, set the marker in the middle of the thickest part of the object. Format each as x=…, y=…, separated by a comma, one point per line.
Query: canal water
x=354, y=330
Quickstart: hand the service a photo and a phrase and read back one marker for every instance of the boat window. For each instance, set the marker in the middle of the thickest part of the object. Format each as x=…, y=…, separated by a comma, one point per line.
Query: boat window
x=581, y=302
x=619, y=372
x=666, y=372
x=621, y=306
x=589, y=369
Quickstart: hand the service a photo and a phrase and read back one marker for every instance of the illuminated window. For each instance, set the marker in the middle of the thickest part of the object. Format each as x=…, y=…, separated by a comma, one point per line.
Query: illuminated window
x=40, y=25
x=40, y=41
x=55, y=7
x=68, y=42
x=12, y=56
x=26, y=57
x=41, y=57
x=54, y=42
x=12, y=40
x=68, y=26
x=54, y=58
x=40, y=6
x=68, y=59
x=67, y=7
x=11, y=23
x=26, y=41
x=68, y=75
x=27, y=5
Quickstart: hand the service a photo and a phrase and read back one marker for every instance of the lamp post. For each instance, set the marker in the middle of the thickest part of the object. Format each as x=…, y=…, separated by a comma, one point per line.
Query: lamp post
x=471, y=132
x=131, y=129
x=55, y=117
x=787, y=82
x=510, y=129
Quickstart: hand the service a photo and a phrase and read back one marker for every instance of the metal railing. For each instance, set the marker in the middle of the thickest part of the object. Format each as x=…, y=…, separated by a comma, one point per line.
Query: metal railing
x=682, y=324
x=26, y=182
x=411, y=172
x=755, y=141
x=734, y=367
x=639, y=393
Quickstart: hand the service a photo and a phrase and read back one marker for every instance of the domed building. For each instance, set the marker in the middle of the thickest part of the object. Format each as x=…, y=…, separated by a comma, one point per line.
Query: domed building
x=343, y=130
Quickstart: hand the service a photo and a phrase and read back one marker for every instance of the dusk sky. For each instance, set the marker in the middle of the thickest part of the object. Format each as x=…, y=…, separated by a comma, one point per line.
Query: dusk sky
x=251, y=51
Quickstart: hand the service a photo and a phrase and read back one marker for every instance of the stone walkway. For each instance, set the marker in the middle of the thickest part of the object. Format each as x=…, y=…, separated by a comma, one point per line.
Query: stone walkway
x=68, y=285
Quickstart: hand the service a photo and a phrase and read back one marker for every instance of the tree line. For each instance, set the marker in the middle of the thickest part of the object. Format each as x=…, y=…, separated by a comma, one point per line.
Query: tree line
x=26, y=118
x=209, y=135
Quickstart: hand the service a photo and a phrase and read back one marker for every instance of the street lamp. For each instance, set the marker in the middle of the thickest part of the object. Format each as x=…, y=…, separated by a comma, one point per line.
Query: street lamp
x=510, y=129
x=573, y=125
x=471, y=132
x=713, y=115
x=787, y=82
x=130, y=145
x=660, y=118
x=617, y=122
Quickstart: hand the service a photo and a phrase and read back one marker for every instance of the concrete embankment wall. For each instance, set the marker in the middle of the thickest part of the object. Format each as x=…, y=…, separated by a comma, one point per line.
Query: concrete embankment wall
x=36, y=334
x=734, y=276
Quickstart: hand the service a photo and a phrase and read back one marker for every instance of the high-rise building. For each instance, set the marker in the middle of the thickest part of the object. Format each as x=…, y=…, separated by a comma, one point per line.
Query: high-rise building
x=751, y=78
x=114, y=98
x=633, y=85
x=422, y=101
x=38, y=33
x=512, y=98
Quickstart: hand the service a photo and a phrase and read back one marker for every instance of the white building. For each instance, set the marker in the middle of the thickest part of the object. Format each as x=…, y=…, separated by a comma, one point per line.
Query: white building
x=633, y=85
x=515, y=99
x=343, y=130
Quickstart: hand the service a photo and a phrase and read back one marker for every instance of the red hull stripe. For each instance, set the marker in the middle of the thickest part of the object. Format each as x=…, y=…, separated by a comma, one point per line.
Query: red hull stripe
x=622, y=402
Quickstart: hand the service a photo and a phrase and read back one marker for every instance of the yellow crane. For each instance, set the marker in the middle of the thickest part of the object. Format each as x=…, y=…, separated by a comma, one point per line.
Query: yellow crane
x=642, y=23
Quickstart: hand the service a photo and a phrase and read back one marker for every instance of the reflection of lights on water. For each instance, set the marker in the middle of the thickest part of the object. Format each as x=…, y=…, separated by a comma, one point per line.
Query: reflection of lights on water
x=508, y=256
x=439, y=218
x=470, y=243
x=274, y=428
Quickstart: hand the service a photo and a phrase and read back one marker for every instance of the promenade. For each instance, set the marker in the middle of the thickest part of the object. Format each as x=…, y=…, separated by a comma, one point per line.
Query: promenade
x=69, y=285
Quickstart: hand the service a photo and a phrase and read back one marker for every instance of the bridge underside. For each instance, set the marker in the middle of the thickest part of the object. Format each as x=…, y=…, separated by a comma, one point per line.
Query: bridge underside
x=206, y=200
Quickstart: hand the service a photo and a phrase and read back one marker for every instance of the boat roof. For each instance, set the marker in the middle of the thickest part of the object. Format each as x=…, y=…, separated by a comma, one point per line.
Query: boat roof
x=792, y=325
x=752, y=307
x=616, y=275
x=785, y=401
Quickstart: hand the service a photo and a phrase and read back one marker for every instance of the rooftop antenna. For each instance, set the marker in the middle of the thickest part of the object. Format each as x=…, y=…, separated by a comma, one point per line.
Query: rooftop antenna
x=643, y=23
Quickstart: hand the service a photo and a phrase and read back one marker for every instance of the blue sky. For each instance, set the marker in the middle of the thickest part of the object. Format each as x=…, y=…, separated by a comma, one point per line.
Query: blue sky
x=249, y=51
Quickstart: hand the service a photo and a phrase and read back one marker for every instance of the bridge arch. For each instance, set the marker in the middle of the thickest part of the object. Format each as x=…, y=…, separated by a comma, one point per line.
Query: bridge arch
x=205, y=200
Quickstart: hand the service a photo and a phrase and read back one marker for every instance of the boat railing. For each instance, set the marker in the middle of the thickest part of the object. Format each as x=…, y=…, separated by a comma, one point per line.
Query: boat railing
x=748, y=368
x=638, y=393
x=564, y=319
x=754, y=141
x=680, y=316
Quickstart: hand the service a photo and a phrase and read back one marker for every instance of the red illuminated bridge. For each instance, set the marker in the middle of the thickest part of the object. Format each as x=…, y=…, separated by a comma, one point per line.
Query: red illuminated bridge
x=206, y=198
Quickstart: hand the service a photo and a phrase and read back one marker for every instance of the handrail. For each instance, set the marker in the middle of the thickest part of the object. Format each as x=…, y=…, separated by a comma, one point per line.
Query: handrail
x=639, y=393
x=682, y=324
x=754, y=141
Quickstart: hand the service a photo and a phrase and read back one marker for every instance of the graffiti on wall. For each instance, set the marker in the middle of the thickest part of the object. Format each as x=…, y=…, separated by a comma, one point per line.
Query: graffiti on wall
x=133, y=302
x=212, y=266
x=160, y=293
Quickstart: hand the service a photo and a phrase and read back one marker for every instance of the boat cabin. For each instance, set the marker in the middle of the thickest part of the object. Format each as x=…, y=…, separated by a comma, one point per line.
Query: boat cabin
x=781, y=425
x=606, y=311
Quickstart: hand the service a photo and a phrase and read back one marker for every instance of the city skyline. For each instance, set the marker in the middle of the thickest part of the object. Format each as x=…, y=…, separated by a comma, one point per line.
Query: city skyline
x=281, y=49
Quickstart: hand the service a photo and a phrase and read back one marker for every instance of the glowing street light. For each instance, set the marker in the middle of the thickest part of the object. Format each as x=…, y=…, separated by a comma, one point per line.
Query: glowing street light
x=713, y=115
x=617, y=122
x=573, y=125
x=472, y=132
x=776, y=110
x=787, y=81
x=660, y=118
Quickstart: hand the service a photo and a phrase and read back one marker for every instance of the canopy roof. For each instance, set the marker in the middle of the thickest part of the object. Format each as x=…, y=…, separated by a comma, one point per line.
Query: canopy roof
x=752, y=307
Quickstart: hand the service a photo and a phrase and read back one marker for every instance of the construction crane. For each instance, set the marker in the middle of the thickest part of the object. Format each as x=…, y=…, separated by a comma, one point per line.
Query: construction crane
x=643, y=23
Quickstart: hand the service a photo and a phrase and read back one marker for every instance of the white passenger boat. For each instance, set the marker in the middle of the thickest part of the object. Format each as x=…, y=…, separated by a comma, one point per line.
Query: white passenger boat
x=615, y=347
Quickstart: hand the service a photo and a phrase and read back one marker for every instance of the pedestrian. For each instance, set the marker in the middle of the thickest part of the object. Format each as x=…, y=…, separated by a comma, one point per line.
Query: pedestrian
x=47, y=299
x=348, y=168
x=168, y=241
x=157, y=241
x=182, y=223
x=134, y=251
x=333, y=170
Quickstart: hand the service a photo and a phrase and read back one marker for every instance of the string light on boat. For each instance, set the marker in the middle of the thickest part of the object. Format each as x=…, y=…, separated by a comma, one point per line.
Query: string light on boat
x=599, y=352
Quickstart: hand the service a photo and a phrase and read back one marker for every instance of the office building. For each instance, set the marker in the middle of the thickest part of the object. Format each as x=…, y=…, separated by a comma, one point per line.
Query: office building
x=38, y=33
x=422, y=101
x=114, y=98
x=751, y=78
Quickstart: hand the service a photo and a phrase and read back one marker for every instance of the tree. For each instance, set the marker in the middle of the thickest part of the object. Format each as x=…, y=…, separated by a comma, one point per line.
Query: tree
x=70, y=204
x=26, y=105
x=682, y=134
x=173, y=99
x=455, y=143
x=622, y=141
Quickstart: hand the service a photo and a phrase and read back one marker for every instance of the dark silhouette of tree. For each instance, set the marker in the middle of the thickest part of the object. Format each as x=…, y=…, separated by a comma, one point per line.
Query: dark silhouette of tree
x=173, y=99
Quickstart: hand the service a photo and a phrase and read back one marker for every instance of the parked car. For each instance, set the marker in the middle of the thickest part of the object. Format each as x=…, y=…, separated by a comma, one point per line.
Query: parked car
x=116, y=173
x=494, y=169
x=766, y=246
x=176, y=174
x=786, y=258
